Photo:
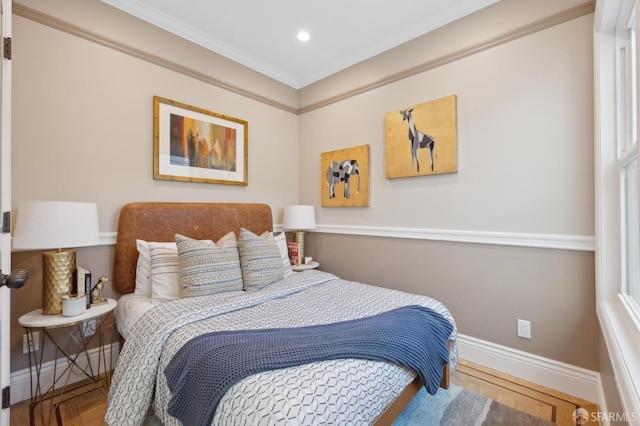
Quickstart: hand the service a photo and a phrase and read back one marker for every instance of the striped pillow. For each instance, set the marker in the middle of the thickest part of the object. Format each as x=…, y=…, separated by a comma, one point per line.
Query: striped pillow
x=260, y=259
x=164, y=271
x=207, y=268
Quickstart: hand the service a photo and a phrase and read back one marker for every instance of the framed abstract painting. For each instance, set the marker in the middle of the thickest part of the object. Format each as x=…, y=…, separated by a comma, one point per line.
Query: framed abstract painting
x=196, y=145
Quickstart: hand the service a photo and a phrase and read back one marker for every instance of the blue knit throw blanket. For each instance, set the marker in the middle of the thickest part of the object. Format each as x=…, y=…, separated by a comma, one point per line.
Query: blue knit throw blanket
x=207, y=366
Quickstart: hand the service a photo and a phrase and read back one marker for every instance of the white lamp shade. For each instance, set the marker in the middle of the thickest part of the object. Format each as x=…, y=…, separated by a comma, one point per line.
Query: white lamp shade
x=43, y=225
x=299, y=218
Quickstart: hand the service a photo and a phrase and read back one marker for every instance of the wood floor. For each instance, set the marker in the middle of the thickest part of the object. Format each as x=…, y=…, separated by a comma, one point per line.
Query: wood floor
x=548, y=404
x=88, y=408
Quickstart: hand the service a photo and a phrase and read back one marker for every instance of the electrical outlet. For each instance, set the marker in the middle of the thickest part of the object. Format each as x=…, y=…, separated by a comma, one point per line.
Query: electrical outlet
x=524, y=329
x=89, y=328
x=34, y=342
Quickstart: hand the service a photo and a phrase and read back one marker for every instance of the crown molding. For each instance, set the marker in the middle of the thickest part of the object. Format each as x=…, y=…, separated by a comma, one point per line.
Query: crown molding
x=542, y=24
x=60, y=25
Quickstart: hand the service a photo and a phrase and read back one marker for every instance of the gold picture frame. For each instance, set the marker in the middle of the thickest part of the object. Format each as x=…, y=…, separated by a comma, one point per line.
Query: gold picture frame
x=422, y=139
x=345, y=177
x=195, y=145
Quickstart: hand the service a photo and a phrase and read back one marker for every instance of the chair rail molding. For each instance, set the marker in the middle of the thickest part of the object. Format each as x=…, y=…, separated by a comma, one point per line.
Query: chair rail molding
x=548, y=241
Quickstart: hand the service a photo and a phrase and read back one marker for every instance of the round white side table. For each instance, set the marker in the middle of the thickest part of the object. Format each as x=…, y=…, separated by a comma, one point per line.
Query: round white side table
x=80, y=331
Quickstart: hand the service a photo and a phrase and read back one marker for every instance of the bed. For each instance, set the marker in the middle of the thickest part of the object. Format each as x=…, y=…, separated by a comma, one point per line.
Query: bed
x=155, y=333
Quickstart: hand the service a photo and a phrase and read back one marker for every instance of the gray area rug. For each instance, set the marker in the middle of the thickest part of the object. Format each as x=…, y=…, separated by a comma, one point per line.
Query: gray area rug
x=459, y=407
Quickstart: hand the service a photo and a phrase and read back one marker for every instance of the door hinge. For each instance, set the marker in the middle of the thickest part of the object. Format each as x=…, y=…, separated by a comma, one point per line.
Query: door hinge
x=6, y=397
x=7, y=48
x=6, y=222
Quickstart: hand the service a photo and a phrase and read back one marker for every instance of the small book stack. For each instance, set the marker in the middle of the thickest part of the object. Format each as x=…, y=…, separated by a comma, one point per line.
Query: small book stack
x=83, y=286
x=294, y=253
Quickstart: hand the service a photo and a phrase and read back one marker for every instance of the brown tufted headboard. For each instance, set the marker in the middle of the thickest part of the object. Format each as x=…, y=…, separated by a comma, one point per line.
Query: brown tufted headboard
x=161, y=221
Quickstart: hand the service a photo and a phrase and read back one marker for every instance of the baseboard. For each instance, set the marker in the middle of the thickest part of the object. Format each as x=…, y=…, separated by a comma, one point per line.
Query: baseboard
x=20, y=380
x=546, y=372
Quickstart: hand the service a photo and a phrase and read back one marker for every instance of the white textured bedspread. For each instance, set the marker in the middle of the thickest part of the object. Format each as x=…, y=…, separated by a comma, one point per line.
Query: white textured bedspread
x=346, y=391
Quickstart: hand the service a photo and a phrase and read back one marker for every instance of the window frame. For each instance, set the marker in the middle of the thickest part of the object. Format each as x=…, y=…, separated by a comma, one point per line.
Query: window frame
x=616, y=311
x=629, y=303
x=627, y=144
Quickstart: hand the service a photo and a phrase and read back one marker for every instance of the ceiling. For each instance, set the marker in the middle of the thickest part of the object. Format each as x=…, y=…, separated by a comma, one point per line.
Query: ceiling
x=262, y=34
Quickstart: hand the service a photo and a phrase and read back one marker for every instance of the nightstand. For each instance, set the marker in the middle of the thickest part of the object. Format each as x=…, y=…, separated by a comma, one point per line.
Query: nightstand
x=69, y=338
x=311, y=265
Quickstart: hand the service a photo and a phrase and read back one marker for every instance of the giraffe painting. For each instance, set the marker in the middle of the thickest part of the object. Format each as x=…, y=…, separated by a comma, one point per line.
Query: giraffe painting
x=431, y=130
x=417, y=139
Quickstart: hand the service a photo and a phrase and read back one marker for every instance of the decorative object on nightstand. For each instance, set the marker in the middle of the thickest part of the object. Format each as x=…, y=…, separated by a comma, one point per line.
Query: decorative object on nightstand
x=44, y=225
x=96, y=292
x=72, y=306
x=299, y=219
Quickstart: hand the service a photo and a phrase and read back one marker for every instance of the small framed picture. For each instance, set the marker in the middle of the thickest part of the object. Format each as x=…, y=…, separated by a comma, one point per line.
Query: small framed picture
x=196, y=145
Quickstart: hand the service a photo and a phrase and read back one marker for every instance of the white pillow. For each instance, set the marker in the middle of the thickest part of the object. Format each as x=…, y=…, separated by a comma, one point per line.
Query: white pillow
x=164, y=271
x=143, y=267
x=143, y=270
x=281, y=239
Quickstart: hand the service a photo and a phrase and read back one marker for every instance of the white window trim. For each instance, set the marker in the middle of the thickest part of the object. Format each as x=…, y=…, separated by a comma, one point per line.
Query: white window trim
x=630, y=305
x=621, y=334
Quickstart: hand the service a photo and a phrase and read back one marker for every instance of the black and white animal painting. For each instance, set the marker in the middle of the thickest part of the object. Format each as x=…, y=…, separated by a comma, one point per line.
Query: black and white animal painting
x=417, y=139
x=341, y=171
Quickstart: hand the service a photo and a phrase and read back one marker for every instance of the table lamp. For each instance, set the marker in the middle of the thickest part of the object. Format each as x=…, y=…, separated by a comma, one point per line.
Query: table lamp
x=44, y=225
x=299, y=219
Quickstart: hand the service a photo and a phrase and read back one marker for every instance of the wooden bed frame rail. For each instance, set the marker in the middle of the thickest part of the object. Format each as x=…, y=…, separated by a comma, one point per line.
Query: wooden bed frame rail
x=400, y=403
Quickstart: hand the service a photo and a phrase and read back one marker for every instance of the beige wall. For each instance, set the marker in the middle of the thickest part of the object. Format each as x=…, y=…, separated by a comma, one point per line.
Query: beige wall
x=486, y=287
x=525, y=166
x=525, y=146
x=82, y=126
x=525, y=141
x=82, y=131
x=485, y=29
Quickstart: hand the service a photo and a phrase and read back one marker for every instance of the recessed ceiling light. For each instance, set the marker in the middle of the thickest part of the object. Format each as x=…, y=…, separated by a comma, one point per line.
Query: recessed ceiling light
x=303, y=35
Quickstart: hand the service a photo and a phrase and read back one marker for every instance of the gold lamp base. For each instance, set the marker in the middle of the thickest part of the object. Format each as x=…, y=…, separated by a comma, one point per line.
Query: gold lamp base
x=57, y=279
x=298, y=237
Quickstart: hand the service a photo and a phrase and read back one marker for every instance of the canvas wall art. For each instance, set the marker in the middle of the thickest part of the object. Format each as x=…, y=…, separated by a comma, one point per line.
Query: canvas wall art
x=193, y=144
x=422, y=139
x=345, y=177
